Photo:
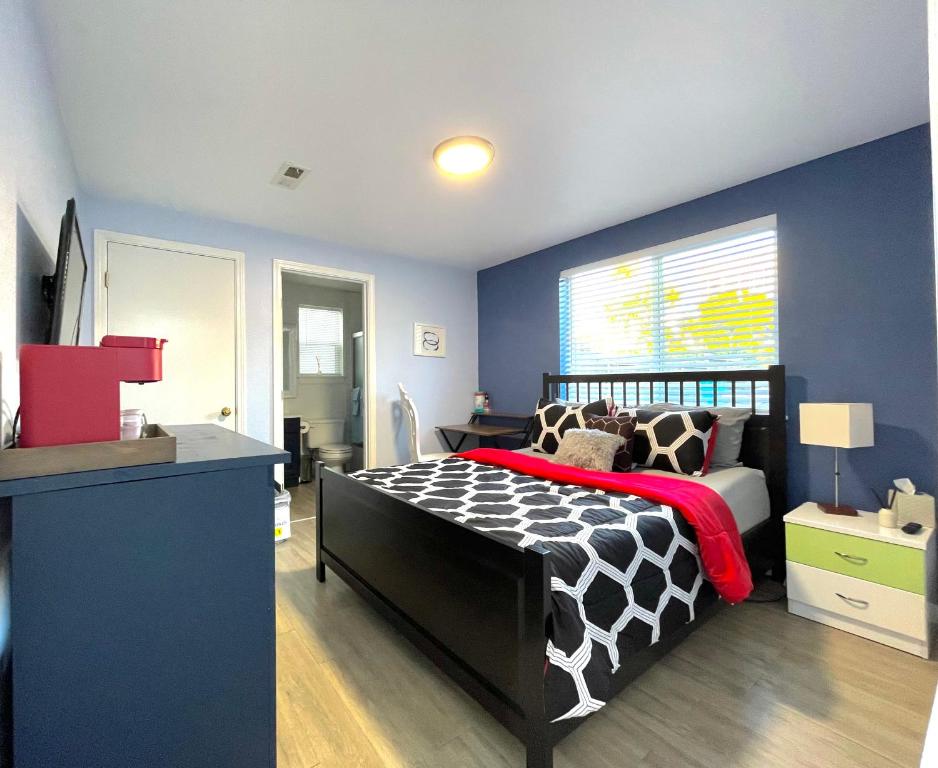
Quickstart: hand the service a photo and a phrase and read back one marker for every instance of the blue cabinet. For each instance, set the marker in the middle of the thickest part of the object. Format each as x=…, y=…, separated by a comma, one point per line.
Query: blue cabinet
x=142, y=611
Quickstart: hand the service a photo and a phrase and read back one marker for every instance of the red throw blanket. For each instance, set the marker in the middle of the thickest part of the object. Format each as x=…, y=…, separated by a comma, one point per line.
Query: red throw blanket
x=721, y=548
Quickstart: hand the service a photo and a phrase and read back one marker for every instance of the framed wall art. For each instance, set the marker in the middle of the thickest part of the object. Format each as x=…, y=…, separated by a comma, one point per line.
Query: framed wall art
x=429, y=340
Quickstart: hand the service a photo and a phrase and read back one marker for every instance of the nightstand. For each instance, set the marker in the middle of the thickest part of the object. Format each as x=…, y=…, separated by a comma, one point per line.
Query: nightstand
x=848, y=573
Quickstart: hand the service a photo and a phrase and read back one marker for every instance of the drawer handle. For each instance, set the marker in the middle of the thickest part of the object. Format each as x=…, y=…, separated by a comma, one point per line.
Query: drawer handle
x=853, y=601
x=853, y=559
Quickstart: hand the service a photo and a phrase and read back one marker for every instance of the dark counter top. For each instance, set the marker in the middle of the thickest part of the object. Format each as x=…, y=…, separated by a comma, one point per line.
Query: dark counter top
x=199, y=448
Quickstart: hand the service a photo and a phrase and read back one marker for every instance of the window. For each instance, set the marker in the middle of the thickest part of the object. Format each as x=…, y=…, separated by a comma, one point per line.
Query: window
x=320, y=341
x=705, y=303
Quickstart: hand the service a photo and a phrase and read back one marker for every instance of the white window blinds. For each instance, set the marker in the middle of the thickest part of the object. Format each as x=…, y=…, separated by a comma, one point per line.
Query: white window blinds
x=701, y=304
x=320, y=341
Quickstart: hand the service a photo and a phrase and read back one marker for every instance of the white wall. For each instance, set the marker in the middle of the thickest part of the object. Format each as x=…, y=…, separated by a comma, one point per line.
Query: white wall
x=37, y=176
x=321, y=397
x=406, y=290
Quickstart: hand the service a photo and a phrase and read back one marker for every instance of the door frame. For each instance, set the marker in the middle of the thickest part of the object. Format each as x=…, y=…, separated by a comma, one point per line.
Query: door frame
x=103, y=237
x=367, y=282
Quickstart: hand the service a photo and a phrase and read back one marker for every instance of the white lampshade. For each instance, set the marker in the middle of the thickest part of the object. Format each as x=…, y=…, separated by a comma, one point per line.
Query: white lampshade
x=837, y=425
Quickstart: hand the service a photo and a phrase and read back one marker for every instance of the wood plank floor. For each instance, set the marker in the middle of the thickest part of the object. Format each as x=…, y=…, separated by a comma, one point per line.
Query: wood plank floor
x=755, y=687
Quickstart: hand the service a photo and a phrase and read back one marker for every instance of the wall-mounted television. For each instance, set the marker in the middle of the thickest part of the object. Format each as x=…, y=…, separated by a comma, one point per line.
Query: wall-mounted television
x=64, y=291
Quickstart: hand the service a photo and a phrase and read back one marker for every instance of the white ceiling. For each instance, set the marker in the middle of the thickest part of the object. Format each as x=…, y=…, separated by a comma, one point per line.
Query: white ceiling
x=600, y=110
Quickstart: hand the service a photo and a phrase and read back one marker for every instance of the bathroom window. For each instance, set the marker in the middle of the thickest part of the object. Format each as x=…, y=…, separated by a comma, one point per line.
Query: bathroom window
x=320, y=341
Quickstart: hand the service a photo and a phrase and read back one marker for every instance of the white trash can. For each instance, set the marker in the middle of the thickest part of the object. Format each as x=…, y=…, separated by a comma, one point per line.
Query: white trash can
x=282, y=516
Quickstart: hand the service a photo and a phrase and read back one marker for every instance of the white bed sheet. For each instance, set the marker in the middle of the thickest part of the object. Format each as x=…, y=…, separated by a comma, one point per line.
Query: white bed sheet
x=742, y=488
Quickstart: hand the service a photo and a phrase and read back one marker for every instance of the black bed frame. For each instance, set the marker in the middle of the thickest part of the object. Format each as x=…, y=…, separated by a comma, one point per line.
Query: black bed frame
x=479, y=607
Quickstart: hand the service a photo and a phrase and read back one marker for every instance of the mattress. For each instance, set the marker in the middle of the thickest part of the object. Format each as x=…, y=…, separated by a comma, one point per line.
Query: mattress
x=742, y=488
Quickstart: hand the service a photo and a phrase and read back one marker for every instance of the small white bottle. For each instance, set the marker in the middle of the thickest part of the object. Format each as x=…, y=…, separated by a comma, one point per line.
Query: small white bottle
x=888, y=517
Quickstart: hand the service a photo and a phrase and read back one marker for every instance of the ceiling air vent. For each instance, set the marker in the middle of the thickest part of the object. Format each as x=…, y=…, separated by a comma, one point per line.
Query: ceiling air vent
x=289, y=176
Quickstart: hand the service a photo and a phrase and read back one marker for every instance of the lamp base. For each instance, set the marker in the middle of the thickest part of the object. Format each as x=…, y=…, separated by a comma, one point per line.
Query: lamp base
x=835, y=509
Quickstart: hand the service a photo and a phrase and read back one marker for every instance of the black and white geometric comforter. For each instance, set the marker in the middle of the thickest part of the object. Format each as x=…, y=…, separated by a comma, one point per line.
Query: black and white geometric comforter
x=625, y=571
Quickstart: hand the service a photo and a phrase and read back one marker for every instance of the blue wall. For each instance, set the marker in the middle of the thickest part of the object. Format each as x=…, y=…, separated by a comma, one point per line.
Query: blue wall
x=856, y=303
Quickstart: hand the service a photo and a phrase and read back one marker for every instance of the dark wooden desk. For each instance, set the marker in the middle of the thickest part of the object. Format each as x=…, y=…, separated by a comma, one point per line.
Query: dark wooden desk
x=524, y=420
x=477, y=430
x=507, y=415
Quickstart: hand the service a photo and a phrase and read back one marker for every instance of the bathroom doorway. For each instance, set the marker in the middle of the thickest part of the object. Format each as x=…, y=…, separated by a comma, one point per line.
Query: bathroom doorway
x=323, y=369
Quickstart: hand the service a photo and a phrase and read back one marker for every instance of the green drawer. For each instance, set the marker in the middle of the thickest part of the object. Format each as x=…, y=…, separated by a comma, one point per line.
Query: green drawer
x=889, y=564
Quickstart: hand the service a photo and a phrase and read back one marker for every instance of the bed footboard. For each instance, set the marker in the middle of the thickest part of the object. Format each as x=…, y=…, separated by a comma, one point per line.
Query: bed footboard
x=425, y=573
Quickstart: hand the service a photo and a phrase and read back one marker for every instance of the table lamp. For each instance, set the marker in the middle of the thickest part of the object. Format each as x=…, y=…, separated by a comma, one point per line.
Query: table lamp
x=837, y=425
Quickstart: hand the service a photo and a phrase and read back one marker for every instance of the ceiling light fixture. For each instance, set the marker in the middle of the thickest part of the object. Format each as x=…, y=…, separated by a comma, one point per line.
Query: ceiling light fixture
x=463, y=155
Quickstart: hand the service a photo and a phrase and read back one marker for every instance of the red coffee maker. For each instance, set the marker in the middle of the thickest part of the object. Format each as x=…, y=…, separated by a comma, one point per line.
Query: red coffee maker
x=71, y=394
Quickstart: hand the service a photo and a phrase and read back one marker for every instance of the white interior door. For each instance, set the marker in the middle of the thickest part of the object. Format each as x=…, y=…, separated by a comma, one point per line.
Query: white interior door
x=191, y=300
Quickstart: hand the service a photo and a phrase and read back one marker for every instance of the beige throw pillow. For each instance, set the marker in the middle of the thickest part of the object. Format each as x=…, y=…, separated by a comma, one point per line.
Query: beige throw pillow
x=589, y=449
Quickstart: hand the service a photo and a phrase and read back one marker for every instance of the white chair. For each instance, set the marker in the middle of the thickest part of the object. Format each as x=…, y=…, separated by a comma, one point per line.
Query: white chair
x=409, y=410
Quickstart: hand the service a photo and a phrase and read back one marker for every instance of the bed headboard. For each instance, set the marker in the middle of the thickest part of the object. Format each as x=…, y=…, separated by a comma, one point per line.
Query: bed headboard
x=762, y=390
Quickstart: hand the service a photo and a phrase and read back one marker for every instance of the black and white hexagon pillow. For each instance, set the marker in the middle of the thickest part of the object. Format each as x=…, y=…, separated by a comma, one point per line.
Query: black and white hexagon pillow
x=551, y=420
x=676, y=443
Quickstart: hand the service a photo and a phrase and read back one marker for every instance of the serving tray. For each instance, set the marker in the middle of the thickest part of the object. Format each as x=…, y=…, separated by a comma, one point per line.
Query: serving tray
x=157, y=445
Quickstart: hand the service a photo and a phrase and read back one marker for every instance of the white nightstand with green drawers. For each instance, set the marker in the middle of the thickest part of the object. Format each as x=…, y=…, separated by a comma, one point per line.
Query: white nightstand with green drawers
x=849, y=573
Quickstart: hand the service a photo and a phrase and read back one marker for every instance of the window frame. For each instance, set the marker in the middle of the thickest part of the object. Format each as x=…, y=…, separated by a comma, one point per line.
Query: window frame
x=769, y=222
x=342, y=345
x=291, y=357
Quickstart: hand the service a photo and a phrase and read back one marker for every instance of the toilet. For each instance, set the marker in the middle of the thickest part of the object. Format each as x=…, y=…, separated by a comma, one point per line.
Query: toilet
x=335, y=456
x=324, y=438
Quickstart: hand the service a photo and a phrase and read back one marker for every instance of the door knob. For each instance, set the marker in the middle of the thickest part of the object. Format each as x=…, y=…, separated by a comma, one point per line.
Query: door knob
x=226, y=411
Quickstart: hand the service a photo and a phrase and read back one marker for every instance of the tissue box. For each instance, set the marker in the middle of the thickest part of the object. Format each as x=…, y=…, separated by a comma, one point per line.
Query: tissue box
x=915, y=508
